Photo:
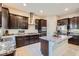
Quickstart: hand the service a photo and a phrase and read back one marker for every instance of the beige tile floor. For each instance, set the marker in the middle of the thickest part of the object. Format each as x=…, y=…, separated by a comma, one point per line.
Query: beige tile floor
x=34, y=50
x=29, y=50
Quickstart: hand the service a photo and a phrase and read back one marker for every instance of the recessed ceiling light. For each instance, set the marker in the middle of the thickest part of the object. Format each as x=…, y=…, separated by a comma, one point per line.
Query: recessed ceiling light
x=66, y=9
x=25, y=4
x=41, y=11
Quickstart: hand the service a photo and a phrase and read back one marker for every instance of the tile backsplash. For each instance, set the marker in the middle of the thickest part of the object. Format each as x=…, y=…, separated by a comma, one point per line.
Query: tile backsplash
x=74, y=31
x=15, y=31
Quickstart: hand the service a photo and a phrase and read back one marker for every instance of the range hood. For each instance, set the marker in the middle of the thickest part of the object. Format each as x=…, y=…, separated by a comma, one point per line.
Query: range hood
x=31, y=20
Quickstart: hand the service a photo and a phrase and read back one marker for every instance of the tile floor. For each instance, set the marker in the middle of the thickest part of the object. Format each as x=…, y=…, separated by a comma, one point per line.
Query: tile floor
x=34, y=50
x=29, y=50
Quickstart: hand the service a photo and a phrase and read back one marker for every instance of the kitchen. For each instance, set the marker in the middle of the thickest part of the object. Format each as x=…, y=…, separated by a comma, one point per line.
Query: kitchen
x=24, y=28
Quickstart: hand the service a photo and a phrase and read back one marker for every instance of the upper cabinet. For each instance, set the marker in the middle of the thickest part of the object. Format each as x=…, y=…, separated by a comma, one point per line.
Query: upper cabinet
x=39, y=23
x=18, y=22
x=36, y=23
x=77, y=22
x=5, y=17
x=23, y=22
x=63, y=21
x=13, y=23
x=74, y=23
x=0, y=15
x=43, y=23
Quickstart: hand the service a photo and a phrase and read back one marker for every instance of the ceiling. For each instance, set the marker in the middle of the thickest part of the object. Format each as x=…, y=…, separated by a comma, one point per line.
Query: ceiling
x=48, y=8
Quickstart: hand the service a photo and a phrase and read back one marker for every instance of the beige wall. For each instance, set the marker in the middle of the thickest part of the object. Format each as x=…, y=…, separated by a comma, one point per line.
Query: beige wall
x=51, y=25
x=70, y=15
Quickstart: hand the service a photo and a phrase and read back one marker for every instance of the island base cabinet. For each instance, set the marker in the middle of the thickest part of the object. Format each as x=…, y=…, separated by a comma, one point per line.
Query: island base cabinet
x=44, y=47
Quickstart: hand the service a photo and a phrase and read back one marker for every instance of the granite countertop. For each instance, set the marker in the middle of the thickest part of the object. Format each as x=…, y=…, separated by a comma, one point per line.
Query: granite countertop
x=56, y=39
x=7, y=45
x=23, y=34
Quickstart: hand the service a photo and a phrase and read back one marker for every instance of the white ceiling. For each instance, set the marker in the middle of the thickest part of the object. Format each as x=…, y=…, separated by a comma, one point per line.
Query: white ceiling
x=48, y=8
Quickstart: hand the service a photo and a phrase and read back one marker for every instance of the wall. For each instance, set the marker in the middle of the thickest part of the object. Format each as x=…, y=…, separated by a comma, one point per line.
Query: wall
x=69, y=15
x=31, y=28
x=51, y=25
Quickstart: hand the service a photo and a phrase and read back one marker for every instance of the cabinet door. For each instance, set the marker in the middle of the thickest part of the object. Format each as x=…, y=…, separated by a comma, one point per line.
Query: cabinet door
x=20, y=22
x=43, y=23
x=13, y=24
x=27, y=39
x=0, y=14
x=5, y=17
x=0, y=19
x=20, y=41
x=73, y=23
x=25, y=21
x=62, y=21
x=36, y=23
x=34, y=39
x=77, y=22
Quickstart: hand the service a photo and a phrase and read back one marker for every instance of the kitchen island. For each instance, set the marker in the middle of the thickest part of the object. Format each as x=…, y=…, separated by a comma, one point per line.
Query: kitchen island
x=52, y=46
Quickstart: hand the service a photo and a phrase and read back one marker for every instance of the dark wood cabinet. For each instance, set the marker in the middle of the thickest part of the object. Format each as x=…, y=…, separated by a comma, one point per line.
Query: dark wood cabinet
x=74, y=40
x=43, y=23
x=13, y=23
x=34, y=39
x=0, y=15
x=40, y=23
x=36, y=23
x=22, y=41
x=44, y=47
x=74, y=23
x=77, y=22
x=41, y=26
x=18, y=22
x=23, y=23
x=0, y=19
x=5, y=17
x=26, y=40
x=63, y=21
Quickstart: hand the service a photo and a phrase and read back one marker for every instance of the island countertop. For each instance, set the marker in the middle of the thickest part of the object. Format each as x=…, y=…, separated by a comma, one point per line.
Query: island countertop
x=53, y=46
x=55, y=39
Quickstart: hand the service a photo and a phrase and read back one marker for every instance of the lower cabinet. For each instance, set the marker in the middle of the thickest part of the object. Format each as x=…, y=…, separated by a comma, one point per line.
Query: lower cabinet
x=34, y=39
x=26, y=40
x=74, y=40
x=20, y=41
